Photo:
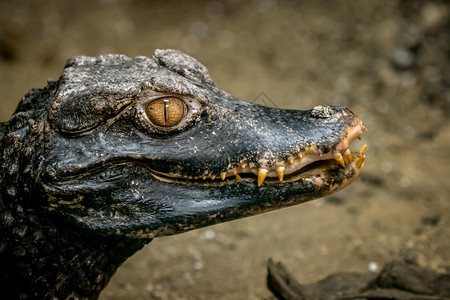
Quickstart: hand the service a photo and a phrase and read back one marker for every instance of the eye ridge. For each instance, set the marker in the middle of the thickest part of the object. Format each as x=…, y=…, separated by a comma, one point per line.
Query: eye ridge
x=166, y=111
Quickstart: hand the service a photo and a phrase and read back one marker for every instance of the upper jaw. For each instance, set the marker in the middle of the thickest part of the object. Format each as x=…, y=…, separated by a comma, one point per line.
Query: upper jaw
x=285, y=169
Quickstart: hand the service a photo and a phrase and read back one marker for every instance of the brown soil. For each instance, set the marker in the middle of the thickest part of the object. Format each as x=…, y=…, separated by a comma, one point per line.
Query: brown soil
x=388, y=61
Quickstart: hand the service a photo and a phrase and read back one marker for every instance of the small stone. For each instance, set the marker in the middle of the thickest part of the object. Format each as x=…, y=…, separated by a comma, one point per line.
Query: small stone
x=198, y=265
x=209, y=234
x=405, y=182
x=434, y=14
x=372, y=266
x=402, y=58
x=386, y=166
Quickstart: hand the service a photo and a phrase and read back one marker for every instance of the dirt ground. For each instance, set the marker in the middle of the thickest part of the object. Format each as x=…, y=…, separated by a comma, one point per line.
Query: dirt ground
x=388, y=61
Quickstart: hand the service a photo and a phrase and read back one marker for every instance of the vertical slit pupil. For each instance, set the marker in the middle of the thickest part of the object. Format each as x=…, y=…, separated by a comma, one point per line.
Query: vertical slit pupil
x=166, y=106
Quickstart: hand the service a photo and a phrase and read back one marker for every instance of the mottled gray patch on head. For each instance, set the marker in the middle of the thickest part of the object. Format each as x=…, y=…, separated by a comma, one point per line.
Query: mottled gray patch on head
x=175, y=84
x=322, y=111
x=183, y=64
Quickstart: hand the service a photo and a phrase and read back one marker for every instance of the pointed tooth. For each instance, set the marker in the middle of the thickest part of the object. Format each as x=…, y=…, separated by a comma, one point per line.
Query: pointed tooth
x=311, y=149
x=204, y=177
x=363, y=149
x=213, y=177
x=360, y=161
x=348, y=155
x=338, y=157
x=300, y=156
x=223, y=175
x=364, y=128
x=237, y=175
x=262, y=173
x=291, y=160
x=280, y=171
x=243, y=166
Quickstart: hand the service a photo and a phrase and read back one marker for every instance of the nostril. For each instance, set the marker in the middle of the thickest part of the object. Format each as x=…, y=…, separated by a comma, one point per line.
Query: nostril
x=323, y=112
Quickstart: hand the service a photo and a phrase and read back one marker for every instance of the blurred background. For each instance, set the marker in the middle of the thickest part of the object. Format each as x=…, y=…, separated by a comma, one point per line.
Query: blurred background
x=388, y=61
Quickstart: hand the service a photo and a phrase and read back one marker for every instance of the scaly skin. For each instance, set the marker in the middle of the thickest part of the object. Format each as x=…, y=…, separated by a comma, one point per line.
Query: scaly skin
x=93, y=166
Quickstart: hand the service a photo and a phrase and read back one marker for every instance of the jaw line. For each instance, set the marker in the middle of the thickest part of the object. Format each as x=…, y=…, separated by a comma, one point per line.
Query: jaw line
x=292, y=169
x=315, y=172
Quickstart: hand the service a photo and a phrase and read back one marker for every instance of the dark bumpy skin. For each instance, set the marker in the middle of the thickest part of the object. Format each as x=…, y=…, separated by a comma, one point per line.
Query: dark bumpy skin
x=88, y=177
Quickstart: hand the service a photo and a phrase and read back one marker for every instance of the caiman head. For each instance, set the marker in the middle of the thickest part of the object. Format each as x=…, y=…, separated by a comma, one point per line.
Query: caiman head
x=148, y=147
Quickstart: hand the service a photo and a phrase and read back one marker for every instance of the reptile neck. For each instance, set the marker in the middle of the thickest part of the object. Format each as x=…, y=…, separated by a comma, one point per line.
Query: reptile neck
x=42, y=256
x=54, y=261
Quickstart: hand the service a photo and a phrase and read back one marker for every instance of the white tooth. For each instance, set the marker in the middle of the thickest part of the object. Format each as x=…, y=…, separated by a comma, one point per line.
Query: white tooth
x=363, y=149
x=235, y=173
x=348, y=155
x=280, y=172
x=360, y=161
x=338, y=157
x=262, y=173
x=291, y=160
x=223, y=175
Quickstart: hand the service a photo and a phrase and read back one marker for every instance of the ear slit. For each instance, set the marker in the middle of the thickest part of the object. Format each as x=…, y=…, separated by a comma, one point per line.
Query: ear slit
x=120, y=112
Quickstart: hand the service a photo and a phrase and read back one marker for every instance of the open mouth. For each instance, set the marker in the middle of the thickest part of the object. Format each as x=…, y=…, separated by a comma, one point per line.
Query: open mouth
x=307, y=163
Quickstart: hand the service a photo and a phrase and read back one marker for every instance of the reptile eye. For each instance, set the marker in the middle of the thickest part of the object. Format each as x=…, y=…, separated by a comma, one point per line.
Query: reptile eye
x=162, y=114
x=166, y=112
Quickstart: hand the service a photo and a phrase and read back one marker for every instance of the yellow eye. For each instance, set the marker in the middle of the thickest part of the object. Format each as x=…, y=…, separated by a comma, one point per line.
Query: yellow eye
x=166, y=112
